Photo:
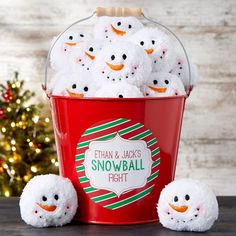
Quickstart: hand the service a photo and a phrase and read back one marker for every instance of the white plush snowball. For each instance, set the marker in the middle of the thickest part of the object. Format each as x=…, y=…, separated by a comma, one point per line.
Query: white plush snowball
x=122, y=61
x=158, y=46
x=164, y=84
x=48, y=200
x=114, y=28
x=187, y=205
x=77, y=83
x=181, y=69
x=84, y=54
x=118, y=90
x=64, y=46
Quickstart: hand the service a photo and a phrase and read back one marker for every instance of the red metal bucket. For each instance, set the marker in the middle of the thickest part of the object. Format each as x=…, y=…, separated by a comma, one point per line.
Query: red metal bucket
x=119, y=154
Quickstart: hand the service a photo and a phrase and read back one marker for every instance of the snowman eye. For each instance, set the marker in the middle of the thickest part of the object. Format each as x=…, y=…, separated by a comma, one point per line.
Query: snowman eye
x=70, y=37
x=91, y=49
x=153, y=42
x=124, y=56
x=120, y=96
x=44, y=198
x=86, y=89
x=141, y=43
x=187, y=197
x=81, y=35
x=119, y=23
x=74, y=86
x=130, y=26
x=155, y=81
x=56, y=197
x=176, y=199
x=166, y=81
x=113, y=57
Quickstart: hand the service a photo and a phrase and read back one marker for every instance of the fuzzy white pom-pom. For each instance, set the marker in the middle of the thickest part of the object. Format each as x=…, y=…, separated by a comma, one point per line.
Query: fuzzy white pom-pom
x=122, y=61
x=181, y=69
x=48, y=200
x=84, y=54
x=187, y=205
x=158, y=46
x=59, y=57
x=163, y=85
x=78, y=83
x=118, y=90
x=115, y=28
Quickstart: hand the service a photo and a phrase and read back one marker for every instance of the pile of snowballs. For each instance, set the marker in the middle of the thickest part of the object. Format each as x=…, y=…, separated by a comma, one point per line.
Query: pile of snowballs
x=123, y=59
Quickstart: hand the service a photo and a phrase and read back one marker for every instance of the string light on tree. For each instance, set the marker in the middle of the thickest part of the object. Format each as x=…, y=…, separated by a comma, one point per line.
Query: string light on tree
x=26, y=138
x=35, y=119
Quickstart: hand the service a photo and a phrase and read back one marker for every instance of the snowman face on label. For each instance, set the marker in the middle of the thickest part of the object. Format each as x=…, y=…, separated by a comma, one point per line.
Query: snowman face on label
x=84, y=54
x=158, y=46
x=111, y=28
x=164, y=84
x=122, y=61
x=48, y=200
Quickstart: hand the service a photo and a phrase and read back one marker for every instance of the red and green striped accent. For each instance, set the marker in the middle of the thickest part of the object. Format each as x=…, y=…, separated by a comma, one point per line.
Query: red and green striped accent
x=127, y=129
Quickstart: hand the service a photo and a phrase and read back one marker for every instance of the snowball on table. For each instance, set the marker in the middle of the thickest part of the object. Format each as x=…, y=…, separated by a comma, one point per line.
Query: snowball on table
x=121, y=61
x=158, y=46
x=118, y=90
x=163, y=85
x=114, y=28
x=48, y=200
x=77, y=83
x=181, y=69
x=64, y=46
x=187, y=205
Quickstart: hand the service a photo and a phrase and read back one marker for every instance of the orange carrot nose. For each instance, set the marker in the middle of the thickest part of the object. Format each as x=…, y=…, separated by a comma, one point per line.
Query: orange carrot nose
x=89, y=56
x=78, y=95
x=158, y=90
x=179, y=208
x=149, y=51
x=47, y=207
x=71, y=44
x=118, y=32
x=115, y=67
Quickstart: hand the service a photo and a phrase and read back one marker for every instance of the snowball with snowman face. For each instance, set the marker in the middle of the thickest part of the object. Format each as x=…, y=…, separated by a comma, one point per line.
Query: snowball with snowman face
x=48, y=200
x=118, y=90
x=163, y=84
x=187, y=205
x=59, y=57
x=84, y=54
x=181, y=69
x=116, y=28
x=158, y=47
x=76, y=84
x=121, y=62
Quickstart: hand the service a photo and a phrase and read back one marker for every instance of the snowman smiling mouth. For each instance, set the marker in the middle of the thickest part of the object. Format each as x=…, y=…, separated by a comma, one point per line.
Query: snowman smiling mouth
x=49, y=208
x=118, y=32
x=115, y=67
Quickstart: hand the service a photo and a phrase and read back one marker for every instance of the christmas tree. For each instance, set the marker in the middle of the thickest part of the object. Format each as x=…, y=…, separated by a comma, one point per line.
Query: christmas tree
x=26, y=139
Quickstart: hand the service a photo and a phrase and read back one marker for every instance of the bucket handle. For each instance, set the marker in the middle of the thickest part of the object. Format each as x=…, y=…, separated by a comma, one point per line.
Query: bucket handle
x=116, y=11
